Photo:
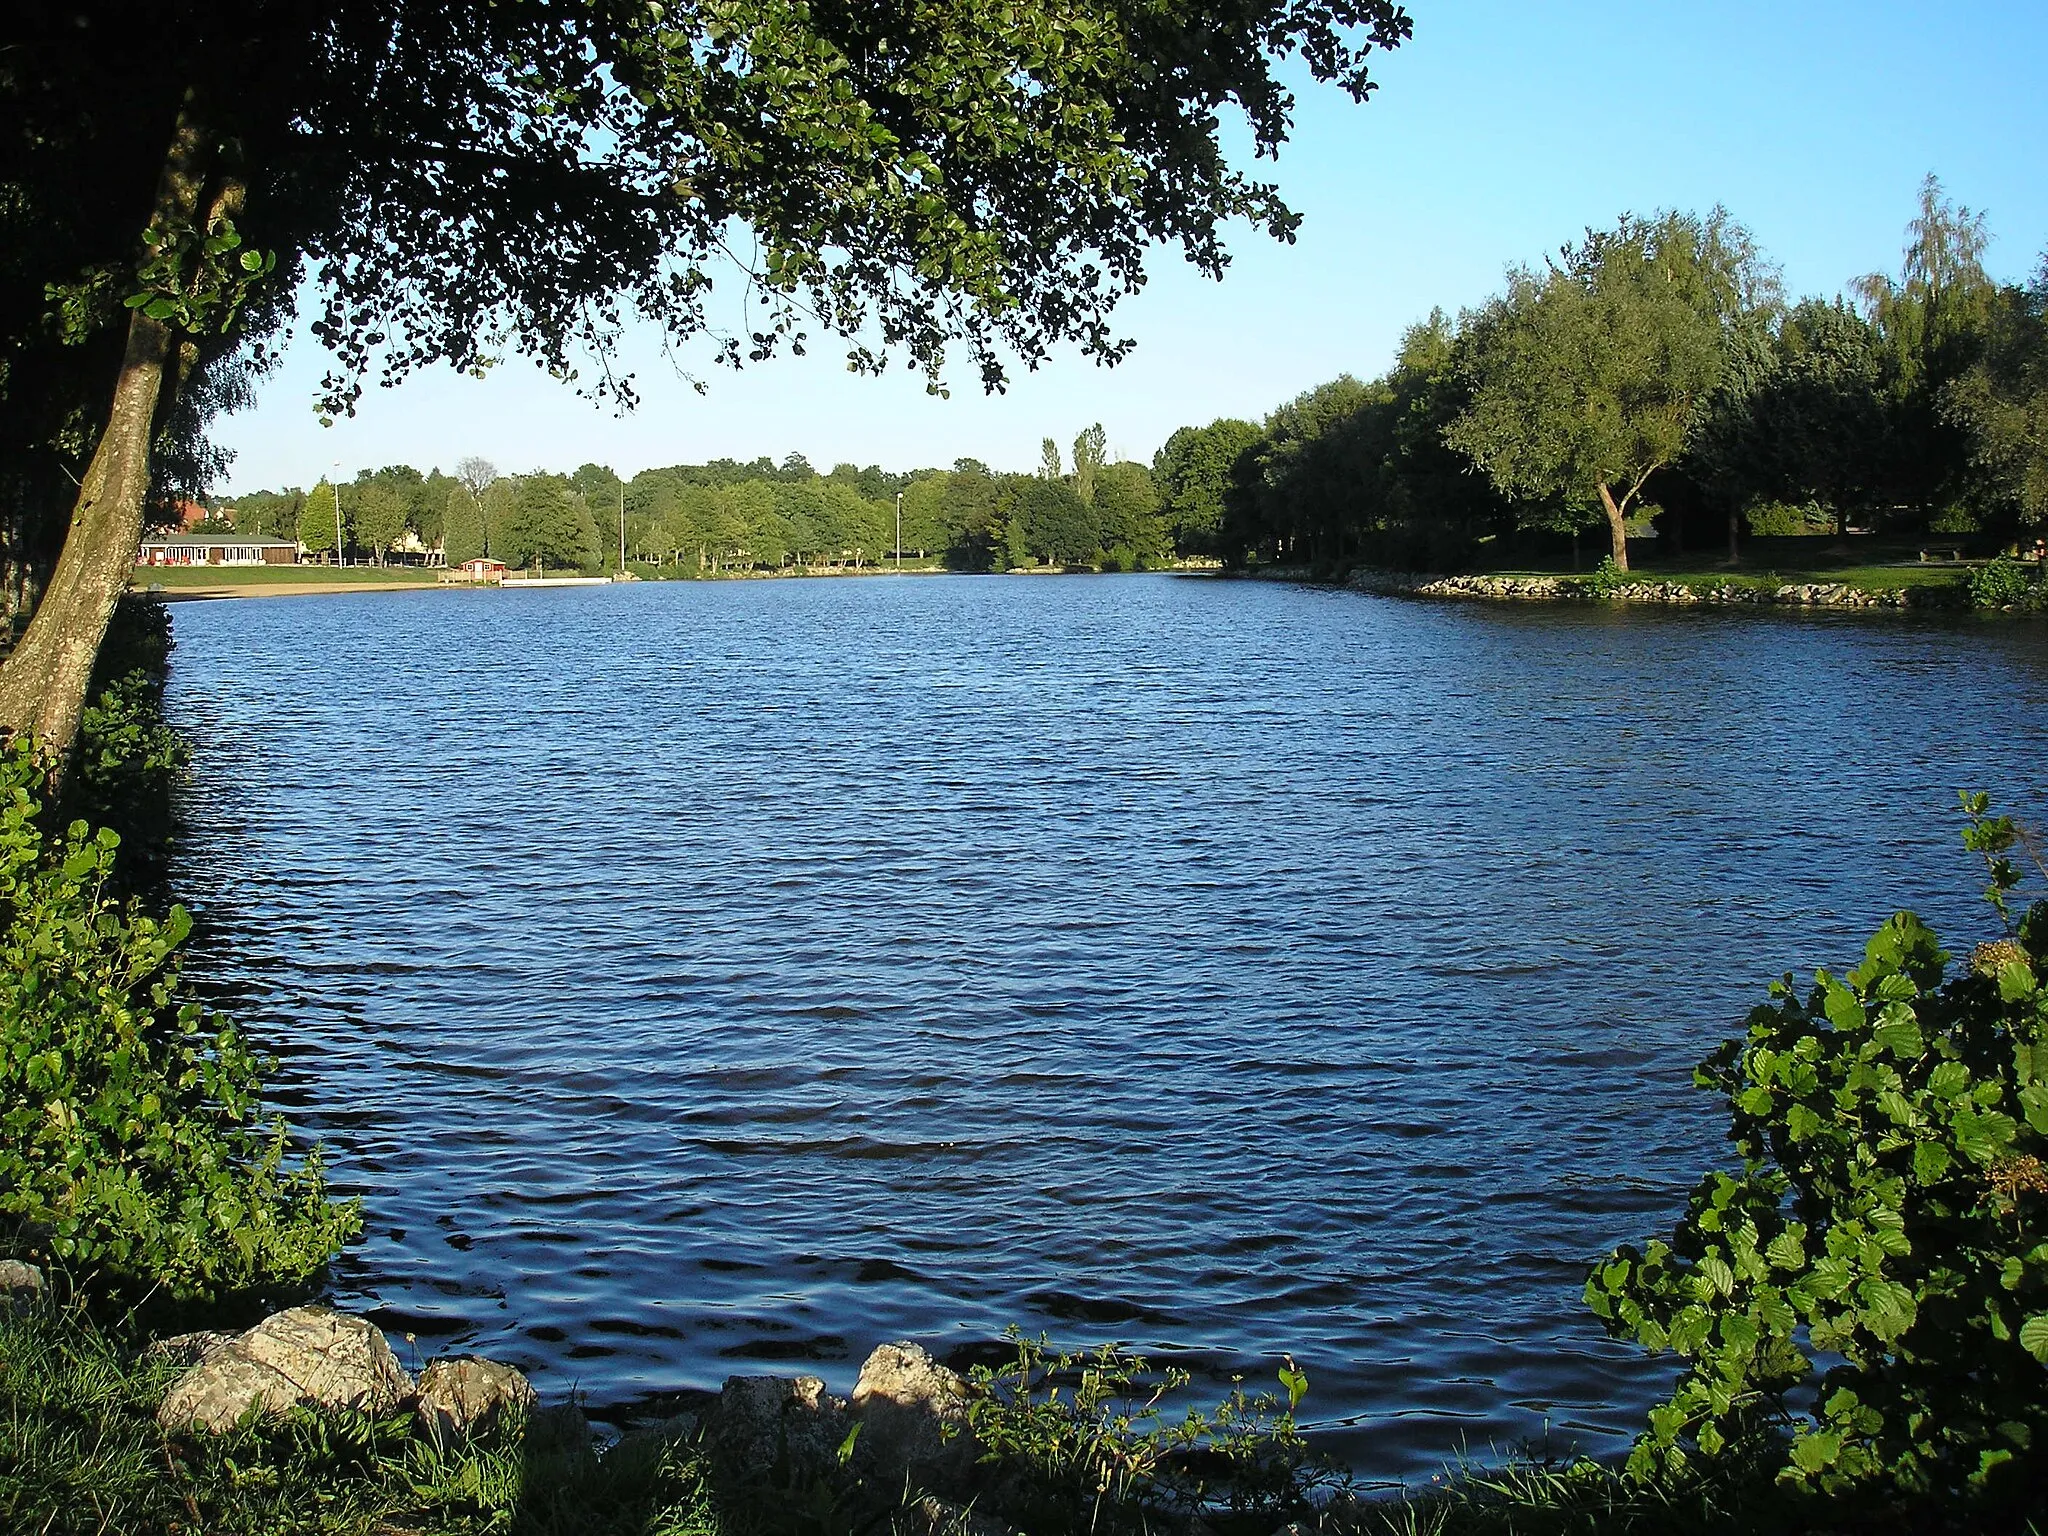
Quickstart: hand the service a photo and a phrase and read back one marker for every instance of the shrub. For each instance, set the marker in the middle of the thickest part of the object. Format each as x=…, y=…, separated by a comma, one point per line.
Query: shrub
x=2003, y=583
x=132, y=1143
x=1782, y=520
x=1086, y=1443
x=1891, y=1215
x=1606, y=578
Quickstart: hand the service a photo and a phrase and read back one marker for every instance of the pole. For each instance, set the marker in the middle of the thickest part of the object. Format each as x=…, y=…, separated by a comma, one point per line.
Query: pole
x=337, y=513
x=622, y=527
x=899, y=532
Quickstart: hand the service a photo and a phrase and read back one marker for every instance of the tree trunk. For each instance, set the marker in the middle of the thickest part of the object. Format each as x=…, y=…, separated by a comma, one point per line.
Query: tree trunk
x=43, y=682
x=1617, y=527
x=1734, y=546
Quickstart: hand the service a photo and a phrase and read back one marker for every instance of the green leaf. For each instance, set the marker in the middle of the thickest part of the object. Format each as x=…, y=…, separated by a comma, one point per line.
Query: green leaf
x=1898, y=1032
x=1930, y=1161
x=1844, y=1008
x=2034, y=1336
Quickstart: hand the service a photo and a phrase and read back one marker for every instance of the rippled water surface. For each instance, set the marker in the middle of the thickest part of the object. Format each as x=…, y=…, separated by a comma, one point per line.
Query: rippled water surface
x=714, y=978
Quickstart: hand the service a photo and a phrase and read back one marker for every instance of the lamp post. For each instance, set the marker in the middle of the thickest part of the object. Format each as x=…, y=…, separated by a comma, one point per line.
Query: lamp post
x=338, y=561
x=622, y=528
x=899, y=533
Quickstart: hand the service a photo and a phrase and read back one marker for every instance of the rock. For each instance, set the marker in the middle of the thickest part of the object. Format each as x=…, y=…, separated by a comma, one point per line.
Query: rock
x=21, y=1286
x=461, y=1397
x=185, y=1348
x=310, y=1357
x=788, y=1429
x=912, y=1413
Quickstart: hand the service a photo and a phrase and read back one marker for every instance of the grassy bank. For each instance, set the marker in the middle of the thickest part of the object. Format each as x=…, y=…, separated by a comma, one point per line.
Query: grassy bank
x=1868, y=561
x=81, y=1455
x=182, y=578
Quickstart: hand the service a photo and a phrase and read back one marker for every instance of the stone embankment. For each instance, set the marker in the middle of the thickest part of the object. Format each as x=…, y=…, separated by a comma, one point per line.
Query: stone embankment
x=1828, y=594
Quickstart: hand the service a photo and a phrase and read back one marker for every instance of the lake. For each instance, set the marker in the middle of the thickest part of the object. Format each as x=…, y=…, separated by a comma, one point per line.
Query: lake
x=712, y=978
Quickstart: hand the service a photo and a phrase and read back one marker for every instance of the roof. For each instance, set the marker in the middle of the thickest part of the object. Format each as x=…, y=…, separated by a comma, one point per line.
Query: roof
x=240, y=540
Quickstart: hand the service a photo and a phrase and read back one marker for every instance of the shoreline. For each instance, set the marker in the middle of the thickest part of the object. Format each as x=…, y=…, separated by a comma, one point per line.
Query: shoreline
x=1748, y=592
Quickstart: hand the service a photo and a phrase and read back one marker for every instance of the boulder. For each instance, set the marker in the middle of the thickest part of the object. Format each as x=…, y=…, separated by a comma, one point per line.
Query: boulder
x=21, y=1285
x=787, y=1429
x=912, y=1413
x=462, y=1396
x=310, y=1357
x=185, y=1349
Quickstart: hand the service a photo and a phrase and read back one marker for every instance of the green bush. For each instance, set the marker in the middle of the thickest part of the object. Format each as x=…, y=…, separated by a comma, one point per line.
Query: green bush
x=1085, y=1443
x=1784, y=520
x=133, y=1148
x=1884, y=1248
x=2003, y=583
x=1606, y=578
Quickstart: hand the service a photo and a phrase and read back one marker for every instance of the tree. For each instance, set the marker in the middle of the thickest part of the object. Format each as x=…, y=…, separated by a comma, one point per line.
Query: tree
x=1091, y=452
x=546, y=524
x=2001, y=402
x=476, y=475
x=1933, y=320
x=318, y=518
x=1194, y=471
x=462, y=528
x=1590, y=376
x=988, y=180
x=601, y=492
x=1127, y=511
x=380, y=516
x=923, y=518
x=1056, y=525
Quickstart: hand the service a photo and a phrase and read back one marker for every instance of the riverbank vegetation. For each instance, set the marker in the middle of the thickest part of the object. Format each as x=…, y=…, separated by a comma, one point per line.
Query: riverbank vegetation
x=1652, y=382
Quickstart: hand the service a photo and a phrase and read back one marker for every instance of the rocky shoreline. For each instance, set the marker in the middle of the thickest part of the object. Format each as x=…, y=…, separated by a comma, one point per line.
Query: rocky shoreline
x=906, y=1430
x=1570, y=589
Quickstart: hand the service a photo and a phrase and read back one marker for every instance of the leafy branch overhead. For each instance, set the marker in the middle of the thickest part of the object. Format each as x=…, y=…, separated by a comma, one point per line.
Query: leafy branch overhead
x=906, y=177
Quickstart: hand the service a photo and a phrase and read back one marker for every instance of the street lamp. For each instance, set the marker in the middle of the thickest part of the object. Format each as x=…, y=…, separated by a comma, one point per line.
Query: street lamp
x=899, y=533
x=336, y=485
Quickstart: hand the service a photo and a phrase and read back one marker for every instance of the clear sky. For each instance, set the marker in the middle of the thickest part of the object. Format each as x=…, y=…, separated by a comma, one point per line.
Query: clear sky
x=1500, y=132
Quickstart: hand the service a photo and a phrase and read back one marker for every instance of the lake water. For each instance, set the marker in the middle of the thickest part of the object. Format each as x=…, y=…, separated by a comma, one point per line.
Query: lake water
x=699, y=979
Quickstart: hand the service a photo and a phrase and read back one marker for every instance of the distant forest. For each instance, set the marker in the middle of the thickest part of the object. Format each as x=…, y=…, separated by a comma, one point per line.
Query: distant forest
x=1651, y=380
x=727, y=515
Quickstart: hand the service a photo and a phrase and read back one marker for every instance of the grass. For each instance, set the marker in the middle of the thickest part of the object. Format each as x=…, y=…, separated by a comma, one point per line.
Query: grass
x=1871, y=562
x=174, y=577
x=81, y=1455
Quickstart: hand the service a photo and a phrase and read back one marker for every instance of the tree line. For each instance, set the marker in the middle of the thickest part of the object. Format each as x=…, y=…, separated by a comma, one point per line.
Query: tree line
x=729, y=515
x=1653, y=377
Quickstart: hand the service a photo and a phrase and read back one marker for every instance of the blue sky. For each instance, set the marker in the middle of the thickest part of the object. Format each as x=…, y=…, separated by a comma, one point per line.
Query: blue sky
x=1499, y=133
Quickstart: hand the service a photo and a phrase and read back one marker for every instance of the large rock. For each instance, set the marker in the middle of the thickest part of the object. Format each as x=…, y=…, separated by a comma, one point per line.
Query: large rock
x=21, y=1285
x=776, y=1427
x=912, y=1413
x=310, y=1357
x=464, y=1396
x=186, y=1349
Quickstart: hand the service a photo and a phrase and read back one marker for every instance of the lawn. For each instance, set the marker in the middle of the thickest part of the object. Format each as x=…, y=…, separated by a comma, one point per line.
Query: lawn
x=174, y=577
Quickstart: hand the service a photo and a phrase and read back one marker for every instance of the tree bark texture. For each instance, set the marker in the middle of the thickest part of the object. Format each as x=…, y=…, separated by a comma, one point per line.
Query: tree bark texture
x=1617, y=526
x=43, y=682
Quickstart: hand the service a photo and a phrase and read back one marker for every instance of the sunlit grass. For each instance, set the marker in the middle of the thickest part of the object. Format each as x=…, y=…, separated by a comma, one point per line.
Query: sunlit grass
x=174, y=577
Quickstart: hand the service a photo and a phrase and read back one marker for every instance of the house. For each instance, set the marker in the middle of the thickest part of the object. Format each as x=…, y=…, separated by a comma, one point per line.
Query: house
x=483, y=570
x=216, y=549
